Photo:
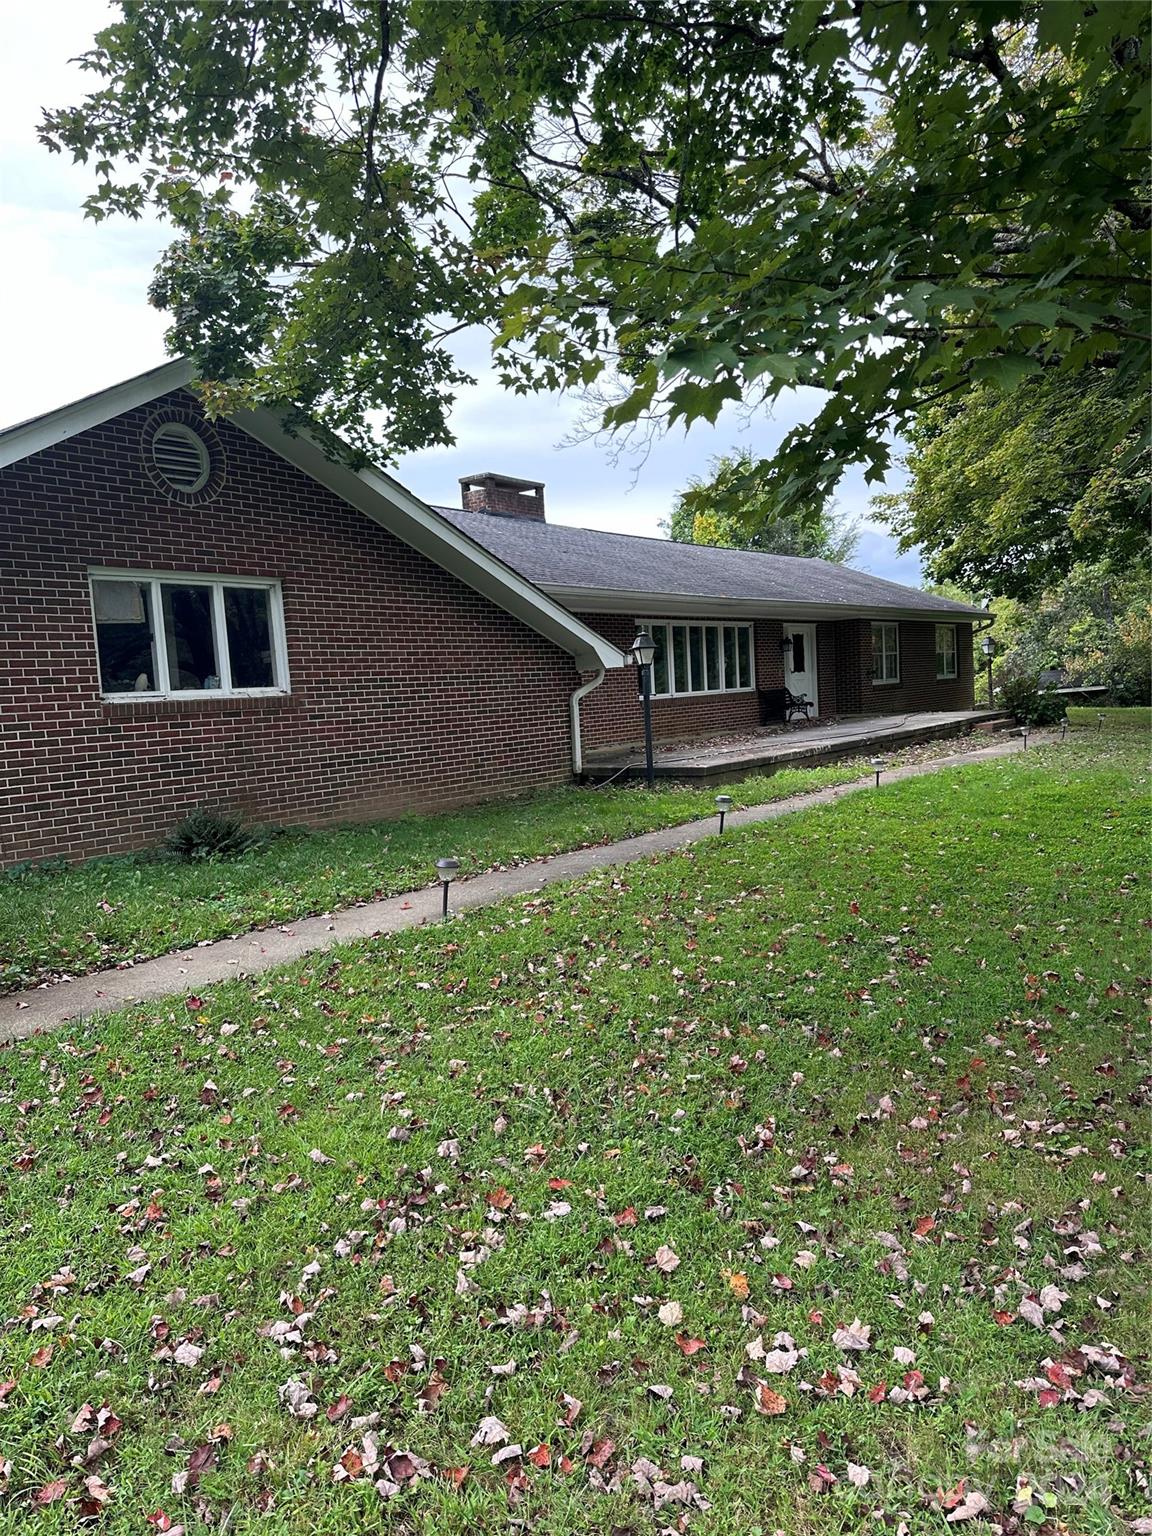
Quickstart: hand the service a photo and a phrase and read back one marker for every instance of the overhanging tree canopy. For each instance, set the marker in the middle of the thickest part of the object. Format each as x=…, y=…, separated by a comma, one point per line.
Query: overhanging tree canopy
x=677, y=203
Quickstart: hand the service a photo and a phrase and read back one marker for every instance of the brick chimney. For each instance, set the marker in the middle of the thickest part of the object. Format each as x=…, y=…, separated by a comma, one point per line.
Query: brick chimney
x=502, y=496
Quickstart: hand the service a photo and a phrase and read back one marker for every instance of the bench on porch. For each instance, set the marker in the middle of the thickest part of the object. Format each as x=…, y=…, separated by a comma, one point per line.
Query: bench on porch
x=781, y=704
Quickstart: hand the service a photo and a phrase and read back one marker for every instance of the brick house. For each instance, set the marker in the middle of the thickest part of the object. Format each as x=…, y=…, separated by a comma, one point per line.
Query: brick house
x=218, y=613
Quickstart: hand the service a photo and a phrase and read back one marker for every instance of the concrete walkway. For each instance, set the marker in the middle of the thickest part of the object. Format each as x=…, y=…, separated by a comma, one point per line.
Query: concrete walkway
x=269, y=949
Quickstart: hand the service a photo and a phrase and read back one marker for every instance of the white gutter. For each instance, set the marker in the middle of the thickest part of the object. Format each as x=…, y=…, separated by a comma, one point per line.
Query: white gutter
x=574, y=712
x=675, y=605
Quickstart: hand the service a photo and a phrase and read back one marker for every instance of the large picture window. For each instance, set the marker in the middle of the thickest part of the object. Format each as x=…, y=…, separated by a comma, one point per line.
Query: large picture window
x=700, y=658
x=172, y=635
x=885, y=653
x=945, y=650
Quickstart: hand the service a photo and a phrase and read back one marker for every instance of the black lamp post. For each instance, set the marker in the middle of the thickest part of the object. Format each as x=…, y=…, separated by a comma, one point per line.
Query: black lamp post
x=643, y=652
x=988, y=646
x=446, y=873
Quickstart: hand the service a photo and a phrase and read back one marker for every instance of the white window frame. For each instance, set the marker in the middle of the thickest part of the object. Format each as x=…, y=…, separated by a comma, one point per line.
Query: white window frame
x=154, y=580
x=673, y=691
x=883, y=679
x=942, y=655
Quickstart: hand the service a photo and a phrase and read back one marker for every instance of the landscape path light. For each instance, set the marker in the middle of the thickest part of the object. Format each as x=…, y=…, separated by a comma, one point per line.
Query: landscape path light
x=446, y=873
x=1064, y=728
x=723, y=805
x=877, y=765
x=1024, y=731
x=1100, y=721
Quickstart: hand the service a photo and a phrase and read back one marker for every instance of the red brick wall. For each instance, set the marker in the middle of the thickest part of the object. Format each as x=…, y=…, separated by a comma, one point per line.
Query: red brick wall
x=919, y=689
x=408, y=690
x=612, y=713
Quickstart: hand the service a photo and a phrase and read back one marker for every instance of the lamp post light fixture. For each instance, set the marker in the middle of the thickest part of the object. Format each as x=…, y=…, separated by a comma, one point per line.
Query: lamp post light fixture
x=723, y=805
x=1100, y=721
x=446, y=873
x=643, y=652
x=877, y=765
x=988, y=646
x=1024, y=724
x=1064, y=728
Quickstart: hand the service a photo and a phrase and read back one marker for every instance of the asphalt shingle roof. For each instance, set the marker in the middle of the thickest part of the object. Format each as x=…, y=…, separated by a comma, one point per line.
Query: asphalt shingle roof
x=556, y=556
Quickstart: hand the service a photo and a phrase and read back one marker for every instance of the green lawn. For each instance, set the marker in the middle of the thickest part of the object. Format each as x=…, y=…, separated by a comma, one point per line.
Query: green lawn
x=56, y=922
x=791, y=1182
x=1135, y=718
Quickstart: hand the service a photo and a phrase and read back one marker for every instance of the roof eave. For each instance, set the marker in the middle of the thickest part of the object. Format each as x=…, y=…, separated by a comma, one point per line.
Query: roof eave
x=41, y=432
x=687, y=605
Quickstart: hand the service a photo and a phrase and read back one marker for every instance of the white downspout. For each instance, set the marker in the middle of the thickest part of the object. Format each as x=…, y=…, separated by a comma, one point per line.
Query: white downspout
x=574, y=712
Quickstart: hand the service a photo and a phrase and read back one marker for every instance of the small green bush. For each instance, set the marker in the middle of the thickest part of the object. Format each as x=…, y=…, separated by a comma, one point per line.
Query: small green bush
x=1022, y=694
x=207, y=834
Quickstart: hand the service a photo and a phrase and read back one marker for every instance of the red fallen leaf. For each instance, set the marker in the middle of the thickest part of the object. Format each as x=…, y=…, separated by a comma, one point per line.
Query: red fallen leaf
x=517, y=1484
x=454, y=1475
x=1004, y=1318
x=336, y=1411
x=688, y=1346
x=854, y=908
x=395, y=1370
x=565, y=1466
x=84, y=1421
x=1049, y=1397
x=878, y=1393
x=500, y=1198
x=599, y=1453
x=287, y=1111
x=540, y=1455
x=626, y=1217
x=816, y=1318
x=769, y=1402
x=50, y=1492
x=6, y=1387
x=352, y=1462
x=924, y=1226
x=193, y=1003
x=1059, y=1375
x=160, y=1520
x=559, y=1183
x=40, y=1357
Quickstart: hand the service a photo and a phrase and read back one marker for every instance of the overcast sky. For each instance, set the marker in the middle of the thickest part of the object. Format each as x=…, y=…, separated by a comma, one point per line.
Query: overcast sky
x=77, y=319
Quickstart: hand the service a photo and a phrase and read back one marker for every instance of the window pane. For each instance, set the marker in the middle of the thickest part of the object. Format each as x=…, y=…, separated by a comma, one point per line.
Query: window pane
x=248, y=622
x=744, y=655
x=798, y=663
x=696, y=657
x=680, y=658
x=189, y=638
x=124, y=636
x=659, y=633
x=731, y=671
x=712, y=657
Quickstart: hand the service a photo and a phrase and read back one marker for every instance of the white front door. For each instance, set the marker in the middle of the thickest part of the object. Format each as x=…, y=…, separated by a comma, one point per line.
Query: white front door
x=800, y=663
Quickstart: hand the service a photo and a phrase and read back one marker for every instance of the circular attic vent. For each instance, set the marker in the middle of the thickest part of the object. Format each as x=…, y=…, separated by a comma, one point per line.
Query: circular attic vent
x=181, y=457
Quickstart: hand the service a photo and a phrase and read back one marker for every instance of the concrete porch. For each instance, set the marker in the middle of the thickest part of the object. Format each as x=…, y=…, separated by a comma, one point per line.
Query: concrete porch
x=722, y=760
